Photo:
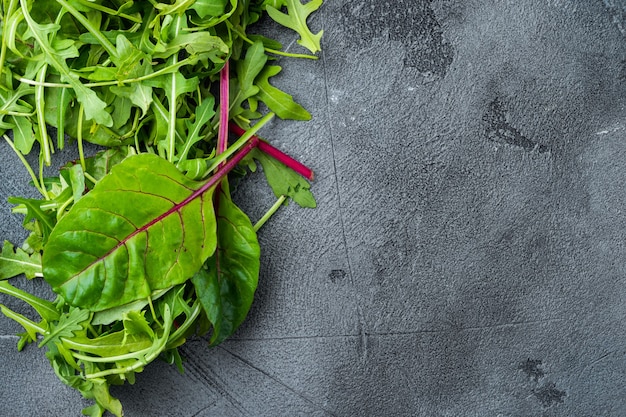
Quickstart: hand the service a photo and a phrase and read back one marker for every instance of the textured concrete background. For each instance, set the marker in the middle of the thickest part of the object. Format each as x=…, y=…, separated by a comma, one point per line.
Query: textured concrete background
x=468, y=254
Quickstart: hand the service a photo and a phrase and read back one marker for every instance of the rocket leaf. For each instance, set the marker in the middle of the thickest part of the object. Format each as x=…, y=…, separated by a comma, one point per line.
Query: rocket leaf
x=295, y=18
x=277, y=100
x=16, y=261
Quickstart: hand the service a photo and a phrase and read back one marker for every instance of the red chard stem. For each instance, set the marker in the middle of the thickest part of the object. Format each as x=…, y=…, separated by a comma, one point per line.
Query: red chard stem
x=277, y=154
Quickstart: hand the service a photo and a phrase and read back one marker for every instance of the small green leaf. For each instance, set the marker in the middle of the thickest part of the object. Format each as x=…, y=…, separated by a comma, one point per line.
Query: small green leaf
x=66, y=326
x=23, y=134
x=285, y=181
x=277, y=100
x=135, y=324
x=77, y=181
x=295, y=19
x=44, y=308
x=247, y=70
x=46, y=219
x=203, y=114
x=206, y=8
x=16, y=261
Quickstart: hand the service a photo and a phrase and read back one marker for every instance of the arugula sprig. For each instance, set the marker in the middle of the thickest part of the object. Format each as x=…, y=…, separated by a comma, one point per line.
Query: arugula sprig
x=158, y=85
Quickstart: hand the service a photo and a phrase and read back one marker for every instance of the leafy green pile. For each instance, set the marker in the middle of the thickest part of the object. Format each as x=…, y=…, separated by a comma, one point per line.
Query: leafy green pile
x=142, y=241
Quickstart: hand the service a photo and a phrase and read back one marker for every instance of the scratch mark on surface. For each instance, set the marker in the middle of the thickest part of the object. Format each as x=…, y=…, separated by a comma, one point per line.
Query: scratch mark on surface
x=593, y=362
x=508, y=325
x=398, y=333
x=206, y=407
x=207, y=377
x=361, y=324
x=275, y=379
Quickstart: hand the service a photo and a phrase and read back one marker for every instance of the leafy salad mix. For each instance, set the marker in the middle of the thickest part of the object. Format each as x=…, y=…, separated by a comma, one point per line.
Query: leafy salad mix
x=141, y=242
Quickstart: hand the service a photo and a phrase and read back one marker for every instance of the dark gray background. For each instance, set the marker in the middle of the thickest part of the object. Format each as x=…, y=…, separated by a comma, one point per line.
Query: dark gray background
x=468, y=254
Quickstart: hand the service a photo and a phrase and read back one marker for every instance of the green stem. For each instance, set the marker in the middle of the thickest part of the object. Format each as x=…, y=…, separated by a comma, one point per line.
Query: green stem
x=112, y=12
x=239, y=143
x=166, y=70
x=41, y=120
x=61, y=118
x=108, y=46
x=3, y=47
x=270, y=213
x=41, y=179
x=26, y=165
x=171, y=134
x=79, y=137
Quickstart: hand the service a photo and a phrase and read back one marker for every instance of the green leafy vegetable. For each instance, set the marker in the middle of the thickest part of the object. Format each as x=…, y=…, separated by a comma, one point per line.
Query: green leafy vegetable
x=295, y=18
x=278, y=101
x=142, y=242
x=226, y=286
x=14, y=262
x=144, y=227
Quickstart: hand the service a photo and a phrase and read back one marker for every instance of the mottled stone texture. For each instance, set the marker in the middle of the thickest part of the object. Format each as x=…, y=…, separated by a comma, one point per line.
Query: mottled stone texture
x=468, y=254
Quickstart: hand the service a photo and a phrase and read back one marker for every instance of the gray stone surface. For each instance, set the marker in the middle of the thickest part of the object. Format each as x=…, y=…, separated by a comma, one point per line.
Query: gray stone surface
x=468, y=254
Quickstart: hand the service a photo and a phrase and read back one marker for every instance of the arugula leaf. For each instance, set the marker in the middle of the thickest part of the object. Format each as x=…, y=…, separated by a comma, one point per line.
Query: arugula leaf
x=34, y=211
x=285, y=181
x=247, y=71
x=16, y=261
x=204, y=113
x=44, y=308
x=66, y=326
x=23, y=134
x=295, y=19
x=94, y=106
x=206, y=8
x=278, y=101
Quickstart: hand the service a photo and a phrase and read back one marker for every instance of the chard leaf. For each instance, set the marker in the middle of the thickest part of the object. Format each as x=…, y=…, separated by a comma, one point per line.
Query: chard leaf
x=295, y=19
x=226, y=286
x=277, y=100
x=16, y=261
x=144, y=227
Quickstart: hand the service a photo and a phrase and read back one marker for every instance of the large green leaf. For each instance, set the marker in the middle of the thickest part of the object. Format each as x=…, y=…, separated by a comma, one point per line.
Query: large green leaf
x=144, y=227
x=226, y=287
